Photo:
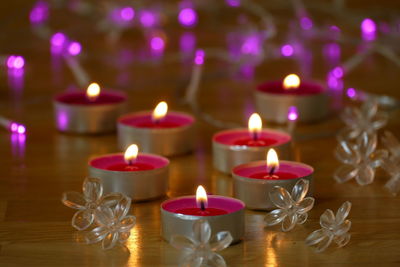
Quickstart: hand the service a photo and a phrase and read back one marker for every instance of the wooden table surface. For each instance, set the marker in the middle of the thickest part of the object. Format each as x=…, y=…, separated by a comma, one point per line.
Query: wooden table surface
x=35, y=228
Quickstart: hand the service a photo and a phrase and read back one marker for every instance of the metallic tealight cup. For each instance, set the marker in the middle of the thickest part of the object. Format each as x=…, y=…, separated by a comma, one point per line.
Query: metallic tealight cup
x=161, y=141
x=274, y=107
x=226, y=157
x=255, y=192
x=180, y=224
x=138, y=185
x=88, y=119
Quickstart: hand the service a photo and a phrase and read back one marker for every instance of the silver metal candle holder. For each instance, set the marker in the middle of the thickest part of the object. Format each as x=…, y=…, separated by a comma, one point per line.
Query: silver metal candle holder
x=180, y=224
x=88, y=119
x=161, y=141
x=274, y=107
x=255, y=192
x=226, y=157
x=138, y=185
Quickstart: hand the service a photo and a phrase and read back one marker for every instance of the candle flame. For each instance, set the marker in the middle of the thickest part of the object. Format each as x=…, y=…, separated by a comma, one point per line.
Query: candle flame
x=272, y=161
x=201, y=197
x=255, y=124
x=131, y=154
x=93, y=91
x=292, y=81
x=160, y=111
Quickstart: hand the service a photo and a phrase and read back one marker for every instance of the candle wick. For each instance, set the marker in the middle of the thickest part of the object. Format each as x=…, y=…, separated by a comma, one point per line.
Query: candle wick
x=202, y=206
x=255, y=136
x=130, y=162
x=271, y=172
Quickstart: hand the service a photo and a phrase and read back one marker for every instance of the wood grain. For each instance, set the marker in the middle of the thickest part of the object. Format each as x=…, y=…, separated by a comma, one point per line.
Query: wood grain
x=35, y=227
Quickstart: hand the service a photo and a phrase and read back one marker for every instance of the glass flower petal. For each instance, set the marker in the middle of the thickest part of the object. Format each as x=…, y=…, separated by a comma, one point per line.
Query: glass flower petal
x=110, y=240
x=73, y=200
x=345, y=173
x=92, y=189
x=300, y=190
x=343, y=212
x=82, y=219
x=274, y=217
x=289, y=222
x=280, y=197
x=366, y=175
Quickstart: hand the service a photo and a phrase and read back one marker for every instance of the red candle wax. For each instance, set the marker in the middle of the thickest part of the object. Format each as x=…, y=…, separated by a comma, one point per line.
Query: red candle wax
x=199, y=212
x=80, y=98
x=287, y=170
x=137, y=166
x=252, y=142
x=276, y=176
x=242, y=137
x=145, y=120
x=305, y=88
x=116, y=162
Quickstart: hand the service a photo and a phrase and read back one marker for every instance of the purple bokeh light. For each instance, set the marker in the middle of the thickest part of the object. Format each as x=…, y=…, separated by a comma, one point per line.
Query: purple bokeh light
x=332, y=51
x=351, y=93
x=199, y=57
x=39, y=13
x=233, y=3
x=15, y=62
x=17, y=128
x=74, y=48
x=293, y=114
x=58, y=39
x=14, y=127
x=338, y=72
x=187, y=42
x=287, y=50
x=368, y=29
x=306, y=23
x=127, y=13
x=157, y=43
x=251, y=45
x=21, y=129
x=187, y=17
x=148, y=18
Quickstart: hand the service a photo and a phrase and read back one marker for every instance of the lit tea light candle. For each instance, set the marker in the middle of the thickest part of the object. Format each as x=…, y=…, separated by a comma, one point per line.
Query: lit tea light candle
x=160, y=131
x=274, y=98
x=253, y=181
x=237, y=146
x=138, y=175
x=92, y=112
x=223, y=214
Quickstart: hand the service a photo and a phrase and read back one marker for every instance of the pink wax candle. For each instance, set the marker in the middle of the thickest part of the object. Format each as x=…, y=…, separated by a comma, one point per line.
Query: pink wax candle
x=138, y=175
x=253, y=181
x=274, y=98
x=160, y=132
x=92, y=112
x=237, y=146
x=226, y=213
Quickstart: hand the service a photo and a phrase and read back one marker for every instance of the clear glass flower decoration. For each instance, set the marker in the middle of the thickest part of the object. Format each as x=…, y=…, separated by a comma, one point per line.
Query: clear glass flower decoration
x=359, y=158
x=200, y=249
x=114, y=224
x=292, y=208
x=334, y=228
x=391, y=164
x=366, y=119
x=88, y=202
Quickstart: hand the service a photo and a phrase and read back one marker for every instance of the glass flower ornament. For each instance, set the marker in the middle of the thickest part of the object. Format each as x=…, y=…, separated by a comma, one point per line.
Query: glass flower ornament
x=366, y=119
x=200, y=249
x=88, y=202
x=391, y=164
x=292, y=208
x=114, y=224
x=334, y=228
x=359, y=158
